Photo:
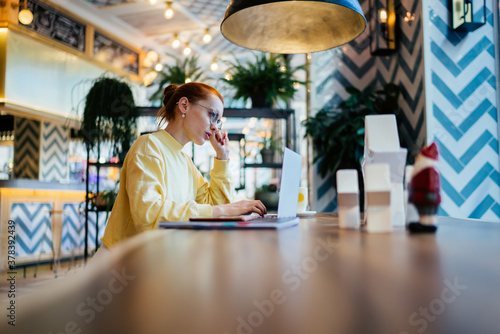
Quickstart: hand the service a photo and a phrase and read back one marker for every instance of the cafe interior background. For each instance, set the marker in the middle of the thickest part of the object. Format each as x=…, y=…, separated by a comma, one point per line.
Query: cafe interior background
x=447, y=80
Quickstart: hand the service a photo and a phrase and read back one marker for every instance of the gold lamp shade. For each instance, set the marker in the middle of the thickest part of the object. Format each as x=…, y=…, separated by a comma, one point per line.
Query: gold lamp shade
x=292, y=26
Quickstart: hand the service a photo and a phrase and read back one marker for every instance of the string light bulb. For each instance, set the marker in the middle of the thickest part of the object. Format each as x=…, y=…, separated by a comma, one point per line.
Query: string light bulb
x=169, y=12
x=207, y=38
x=214, y=66
x=151, y=58
x=383, y=15
x=187, y=49
x=149, y=77
x=25, y=16
x=176, y=42
x=158, y=67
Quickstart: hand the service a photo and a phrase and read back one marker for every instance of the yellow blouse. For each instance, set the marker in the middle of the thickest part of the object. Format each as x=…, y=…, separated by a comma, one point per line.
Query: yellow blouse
x=159, y=182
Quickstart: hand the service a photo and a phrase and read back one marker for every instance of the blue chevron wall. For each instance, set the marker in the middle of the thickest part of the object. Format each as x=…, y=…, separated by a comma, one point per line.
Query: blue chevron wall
x=353, y=65
x=92, y=228
x=73, y=229
x=72, y=234
x=462, y=112
x=26, y=148
x=54, y=152
x=34, y=228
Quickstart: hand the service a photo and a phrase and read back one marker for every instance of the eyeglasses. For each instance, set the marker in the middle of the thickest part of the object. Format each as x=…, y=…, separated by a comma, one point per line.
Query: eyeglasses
x=214, y=116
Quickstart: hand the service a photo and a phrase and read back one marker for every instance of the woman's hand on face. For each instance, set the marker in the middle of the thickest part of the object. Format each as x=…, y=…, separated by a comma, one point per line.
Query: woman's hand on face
x=220, y=143
x=239, y=208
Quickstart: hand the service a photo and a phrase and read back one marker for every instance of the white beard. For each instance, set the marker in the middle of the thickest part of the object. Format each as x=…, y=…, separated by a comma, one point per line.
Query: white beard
x=422, y=163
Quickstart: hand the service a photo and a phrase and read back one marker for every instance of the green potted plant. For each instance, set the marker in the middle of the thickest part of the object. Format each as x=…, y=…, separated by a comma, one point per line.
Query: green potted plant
x=337, y=134
x=102, y=201
x=268, y=195
x=182, y=71
x=110, y=115
x=269, y=146
x=266, y=80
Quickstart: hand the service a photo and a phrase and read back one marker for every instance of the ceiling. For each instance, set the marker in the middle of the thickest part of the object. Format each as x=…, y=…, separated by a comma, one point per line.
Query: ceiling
x=144, y=26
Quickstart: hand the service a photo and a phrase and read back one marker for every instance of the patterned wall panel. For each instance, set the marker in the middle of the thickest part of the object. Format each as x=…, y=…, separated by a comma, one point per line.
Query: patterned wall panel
x=73, y=230
x=462, y=105
x=406, y=69
x=72, y=235
x=26, y=148
x=54, y=152
x=353, y=65
x=92, y=228
x=33, y=228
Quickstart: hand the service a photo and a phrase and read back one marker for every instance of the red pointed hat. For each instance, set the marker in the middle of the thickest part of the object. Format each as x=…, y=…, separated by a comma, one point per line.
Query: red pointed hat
x=431, y=151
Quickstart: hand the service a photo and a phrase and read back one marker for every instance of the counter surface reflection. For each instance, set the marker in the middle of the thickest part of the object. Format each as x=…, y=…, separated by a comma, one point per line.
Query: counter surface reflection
x=313, y=278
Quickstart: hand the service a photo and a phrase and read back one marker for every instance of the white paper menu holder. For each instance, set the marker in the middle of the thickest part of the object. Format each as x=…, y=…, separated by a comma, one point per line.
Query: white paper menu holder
x=378, y=198
x=382, y=146
x=348, y=198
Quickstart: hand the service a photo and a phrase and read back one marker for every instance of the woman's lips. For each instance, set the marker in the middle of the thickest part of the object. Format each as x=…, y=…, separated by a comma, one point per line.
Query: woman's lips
x=208, y=134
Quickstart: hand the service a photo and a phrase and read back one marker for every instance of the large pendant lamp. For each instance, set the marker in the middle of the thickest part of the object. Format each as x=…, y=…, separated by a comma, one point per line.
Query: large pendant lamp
x=286, y=26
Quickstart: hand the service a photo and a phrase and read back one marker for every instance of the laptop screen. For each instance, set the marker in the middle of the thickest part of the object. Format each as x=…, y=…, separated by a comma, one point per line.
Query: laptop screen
x=290, y=182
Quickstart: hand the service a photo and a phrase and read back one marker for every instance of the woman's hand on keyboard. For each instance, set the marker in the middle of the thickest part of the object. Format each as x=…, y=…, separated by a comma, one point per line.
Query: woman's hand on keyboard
x=242, y=207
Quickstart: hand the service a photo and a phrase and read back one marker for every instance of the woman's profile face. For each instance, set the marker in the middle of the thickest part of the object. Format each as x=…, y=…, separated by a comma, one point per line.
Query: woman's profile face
x=197, y=123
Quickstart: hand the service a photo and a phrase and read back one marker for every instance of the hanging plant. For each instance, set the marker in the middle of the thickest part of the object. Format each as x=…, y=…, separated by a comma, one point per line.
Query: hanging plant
x=110, y=115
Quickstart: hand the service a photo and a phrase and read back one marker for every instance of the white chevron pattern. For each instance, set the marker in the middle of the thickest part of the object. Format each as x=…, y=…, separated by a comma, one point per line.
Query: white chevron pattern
x=92, y=229
x=33, y=228
x=72, y=229
x=54, y=152
x=463, y=112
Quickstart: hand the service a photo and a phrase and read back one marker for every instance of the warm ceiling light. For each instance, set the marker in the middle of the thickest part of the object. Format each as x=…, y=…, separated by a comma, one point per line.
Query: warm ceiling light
x=207, y=38
x=176, y=43
x=149, y=77
x=187, y=50
x=288, y=26
x=158, y=67
x=153, y=2
x=25, y=16
x=214, y=66
x=150, y=59
x=383, y=15
x=169, y=12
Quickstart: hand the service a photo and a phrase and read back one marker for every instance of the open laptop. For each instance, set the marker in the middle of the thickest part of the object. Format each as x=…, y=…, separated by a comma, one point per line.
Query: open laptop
x=289, y=193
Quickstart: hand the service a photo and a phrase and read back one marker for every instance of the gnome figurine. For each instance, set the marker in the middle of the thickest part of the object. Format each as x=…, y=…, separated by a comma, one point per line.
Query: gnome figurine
x=424, y=190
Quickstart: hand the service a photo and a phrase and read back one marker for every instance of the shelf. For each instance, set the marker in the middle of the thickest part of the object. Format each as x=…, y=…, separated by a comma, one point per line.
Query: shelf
x=99, y=210
x=258, y=113
x=106, y=164
x=233, y=112
x=235, y=136
x=266, y=165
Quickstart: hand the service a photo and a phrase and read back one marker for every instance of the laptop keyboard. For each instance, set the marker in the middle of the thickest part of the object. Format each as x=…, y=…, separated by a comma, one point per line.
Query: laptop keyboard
x=272, y=219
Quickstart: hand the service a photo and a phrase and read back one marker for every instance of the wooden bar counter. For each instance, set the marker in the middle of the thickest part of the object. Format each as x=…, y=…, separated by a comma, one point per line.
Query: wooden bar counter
x=313, y=278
